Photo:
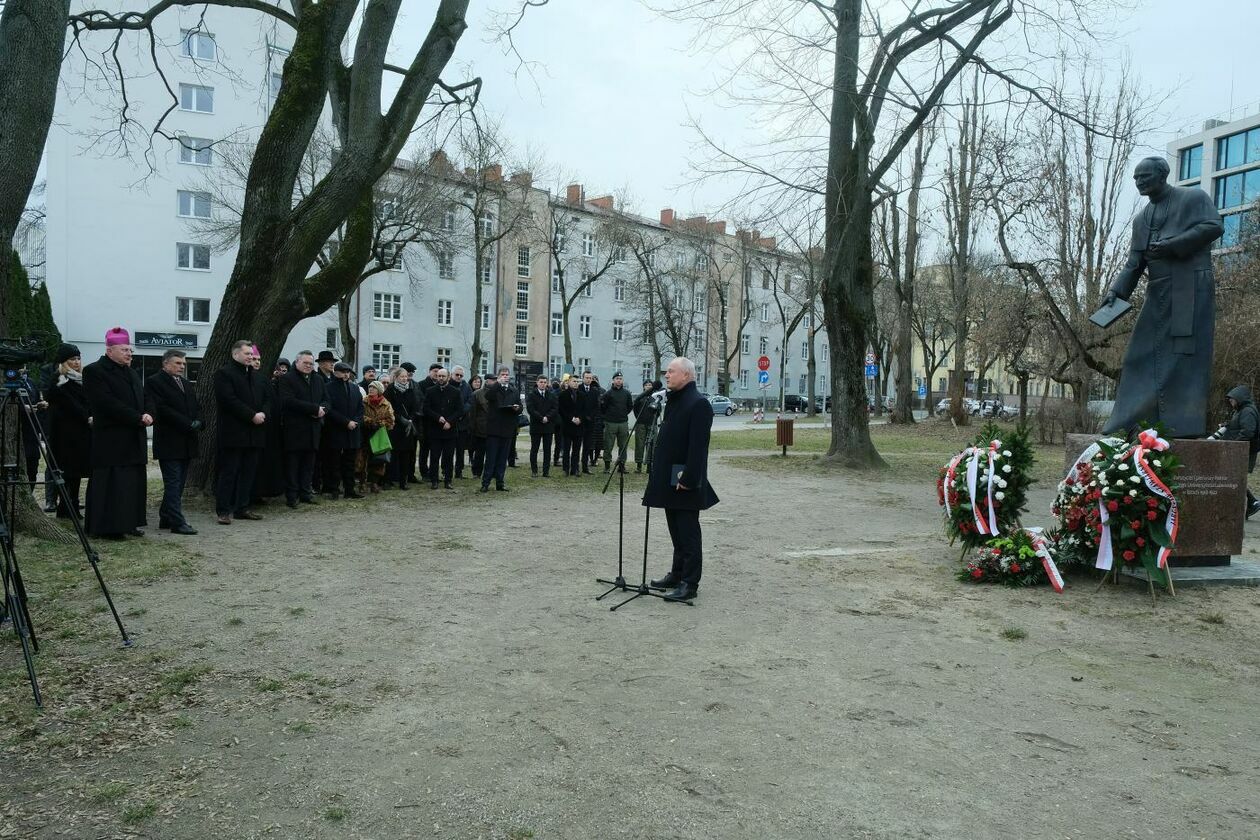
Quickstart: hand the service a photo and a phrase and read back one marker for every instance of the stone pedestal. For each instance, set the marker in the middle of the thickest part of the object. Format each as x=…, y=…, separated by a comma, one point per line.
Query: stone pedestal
x=1212, y=491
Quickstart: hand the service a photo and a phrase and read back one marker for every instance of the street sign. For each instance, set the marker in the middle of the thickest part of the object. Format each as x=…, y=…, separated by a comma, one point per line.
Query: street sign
x=922, y=392
x=870, y=359
x=763, y=363
x=763, y=378
x=872, y=370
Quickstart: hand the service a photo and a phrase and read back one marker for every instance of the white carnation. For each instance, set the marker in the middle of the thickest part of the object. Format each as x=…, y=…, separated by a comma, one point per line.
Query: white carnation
x=1124, y=467
x=999, y=495
x=1157, y=463
x=1006, y=452
x=1006, y=468
x=1135, y=480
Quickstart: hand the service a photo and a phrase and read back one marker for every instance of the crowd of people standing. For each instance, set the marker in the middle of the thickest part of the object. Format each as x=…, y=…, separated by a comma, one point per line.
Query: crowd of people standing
x=310, y=429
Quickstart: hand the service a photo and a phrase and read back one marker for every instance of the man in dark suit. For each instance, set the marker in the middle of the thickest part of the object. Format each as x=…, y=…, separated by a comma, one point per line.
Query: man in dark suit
x=443, y=406
x=303, y=404
x=678, y=478
x=503, y=404
x=342, y=437
x=172, y=402
x=116, y=493
x=544, y=415
x=588, y=394
x=243, y=399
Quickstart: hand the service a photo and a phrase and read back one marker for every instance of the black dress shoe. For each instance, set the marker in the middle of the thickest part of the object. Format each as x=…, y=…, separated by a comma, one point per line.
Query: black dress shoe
x=682, y=592
x=484, y=490
x=309, y=500
x=353, y=495
x=135, y=532
x=291, y=502
x=1253, y=509
x=447, y=485
x=433, y=485
x=250, y=515
x=501, y=489
x=184, y=529
x=665, y=582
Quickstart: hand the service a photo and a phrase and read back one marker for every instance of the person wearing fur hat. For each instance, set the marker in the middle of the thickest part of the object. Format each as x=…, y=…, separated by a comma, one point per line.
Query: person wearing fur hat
x=116, y=491
x=69, y=425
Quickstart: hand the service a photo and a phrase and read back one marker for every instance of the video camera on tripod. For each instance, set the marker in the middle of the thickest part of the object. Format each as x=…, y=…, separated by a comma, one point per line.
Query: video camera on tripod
x=14, y=356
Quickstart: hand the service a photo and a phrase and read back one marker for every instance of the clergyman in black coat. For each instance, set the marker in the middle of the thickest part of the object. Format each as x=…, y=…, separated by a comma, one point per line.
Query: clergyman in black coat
x=682, y=441
x=243, y=398
x=503, y=404
x=116, y=493
x=303, y=404
x=172, y=402
x=544, y=417
x=443, y=407
x=342, y=435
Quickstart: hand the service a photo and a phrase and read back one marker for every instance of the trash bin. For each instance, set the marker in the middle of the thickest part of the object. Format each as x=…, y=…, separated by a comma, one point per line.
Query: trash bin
x=783, y=432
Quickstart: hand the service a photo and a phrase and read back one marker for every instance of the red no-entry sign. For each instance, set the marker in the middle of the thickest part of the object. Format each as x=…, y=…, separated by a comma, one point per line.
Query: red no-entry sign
x=763, y=363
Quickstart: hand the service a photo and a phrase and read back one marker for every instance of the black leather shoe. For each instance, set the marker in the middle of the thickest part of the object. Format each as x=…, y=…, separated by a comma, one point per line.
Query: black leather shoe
x=353, y=495
x=433, y=486
x=135, y=532
x=682, y=592
x=310, y=500
x=484, y=489
x=501, y=489
x=250, y=515
x=1253, y=509
x=184, y=529
x=665, y=582
x=291, y=502
x=447, y=485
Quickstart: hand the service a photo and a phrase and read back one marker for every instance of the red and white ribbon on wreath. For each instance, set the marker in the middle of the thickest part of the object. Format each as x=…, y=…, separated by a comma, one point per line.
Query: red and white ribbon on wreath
x=994, y=446
x=1104, y=539
x=1150, y=441
x=1042, y=547
x=950, y=472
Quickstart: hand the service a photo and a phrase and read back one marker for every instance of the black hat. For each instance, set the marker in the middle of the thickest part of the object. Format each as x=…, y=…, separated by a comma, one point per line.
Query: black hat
x=65, y=352
x=283, y=362
x=326, y=356
x=435, y=366
x=366, y=368
x=408, y=366
x=342, y=367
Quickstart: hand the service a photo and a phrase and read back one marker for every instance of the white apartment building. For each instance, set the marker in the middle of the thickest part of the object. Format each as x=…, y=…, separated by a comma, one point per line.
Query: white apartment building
x=125, y=238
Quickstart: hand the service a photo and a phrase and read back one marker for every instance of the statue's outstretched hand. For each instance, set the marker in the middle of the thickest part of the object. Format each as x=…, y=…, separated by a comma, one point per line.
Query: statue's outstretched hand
x=1110, y=298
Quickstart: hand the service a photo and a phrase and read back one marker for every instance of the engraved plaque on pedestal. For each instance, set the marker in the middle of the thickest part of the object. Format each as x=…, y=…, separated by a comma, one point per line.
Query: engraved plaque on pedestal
x=1212, y=492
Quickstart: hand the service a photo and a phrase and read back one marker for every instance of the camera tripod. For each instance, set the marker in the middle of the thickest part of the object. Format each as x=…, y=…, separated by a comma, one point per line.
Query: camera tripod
x=17, y=399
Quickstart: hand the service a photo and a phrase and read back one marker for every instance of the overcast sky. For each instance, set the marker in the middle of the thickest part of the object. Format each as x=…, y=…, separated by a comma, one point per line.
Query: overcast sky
x=612, y=85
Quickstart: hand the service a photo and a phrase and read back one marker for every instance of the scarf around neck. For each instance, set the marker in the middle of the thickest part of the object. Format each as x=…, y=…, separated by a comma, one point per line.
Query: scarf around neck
x=70, y=376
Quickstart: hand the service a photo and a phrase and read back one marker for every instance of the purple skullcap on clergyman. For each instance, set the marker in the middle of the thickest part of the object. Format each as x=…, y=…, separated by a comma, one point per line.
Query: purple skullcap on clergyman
x=256, y=351
x=117, y=336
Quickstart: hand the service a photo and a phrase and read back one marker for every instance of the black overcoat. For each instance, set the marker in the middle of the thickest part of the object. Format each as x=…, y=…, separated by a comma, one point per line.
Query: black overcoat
x=503, y=404
x=568, y=404
x=683, y=438
x=615, y=405
x=116, y=400
x=301, y=398
x=240, y=392
x=1168, y=365
x=445, y=402
x=174, y=411
x=345, y=403
x=70, y=435
x=588, y=403
x=546, y=404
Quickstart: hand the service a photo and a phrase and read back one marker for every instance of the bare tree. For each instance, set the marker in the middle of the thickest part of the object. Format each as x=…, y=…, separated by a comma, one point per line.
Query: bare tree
x=932, y=324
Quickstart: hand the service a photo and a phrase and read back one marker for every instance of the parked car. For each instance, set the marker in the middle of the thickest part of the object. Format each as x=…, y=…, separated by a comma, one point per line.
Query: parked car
x=794, y=403
x=942, y=407
x=722, y=405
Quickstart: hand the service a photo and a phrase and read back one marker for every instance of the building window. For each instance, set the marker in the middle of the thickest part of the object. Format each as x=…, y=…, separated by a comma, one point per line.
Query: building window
x=619, y=328
x=195, y=150
x=650, y=259
x=483, y=367
x=743, y=379
x=940, y=386
x=392, y=255
x=745, y=342
x=556, y=366
x=702, y=264
x=486, y=224
x=824, y=352
x=584, y=326
x=1238, y=228
x=557, y=242
x=700, y=346
x=274, y=80
x=680, y=261
x=1237, y=190
x=557, y=323
x=448, y=221
x=765, y=312
x=805, y=351
x=647, y=371
x=555, y=278
x=485, y=316
x=446, y=265
x=192, y=257
x=485, y=271
x=822, y=383
x=386, y=356
x=583, y=364
x=619, y=290
x=619, y=254
x=330, y=338
x=445, y=313
x=193, y=205
x=522, y=340
x=617, y=365
x=522, y=261
x=701, y=302
x=588, y=286
x=198, y=98
x=1191, y=163
x=1238, y=149
x=444, y=357
x=765, y=279
x=192, y=310
x=198, y=45
x=802, y=389
x=763, y=346
x=522, y=300
x=588, y=244
x=386, y=307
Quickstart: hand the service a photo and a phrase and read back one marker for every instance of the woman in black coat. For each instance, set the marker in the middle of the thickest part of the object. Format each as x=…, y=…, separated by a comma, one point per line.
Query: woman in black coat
x=401, y=395
x=69, y=424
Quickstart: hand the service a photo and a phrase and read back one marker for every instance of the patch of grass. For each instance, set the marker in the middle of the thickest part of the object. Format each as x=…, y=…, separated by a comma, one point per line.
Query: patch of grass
x=269, y=684
x=181, y=722
x=520, y=834
x=1014, y=634
x=296, y=611
x=235, y=621
x=138, y=812
x=335, y=813
x=301, y=727
x=109, y=792
x=452, y=544
x=385, y=687
x=177, y=681
x=1212, y=618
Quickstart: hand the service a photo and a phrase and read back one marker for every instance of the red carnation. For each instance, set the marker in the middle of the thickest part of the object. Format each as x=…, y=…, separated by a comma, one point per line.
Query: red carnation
x=1150, y=514
x=1135, y=524
x=1128, y=556
x=976, y=573
x=1113, y=506
x=997, y=552
x=1015, y=568
x=1128, y=500
x=1152, y=502
x=1141, y=541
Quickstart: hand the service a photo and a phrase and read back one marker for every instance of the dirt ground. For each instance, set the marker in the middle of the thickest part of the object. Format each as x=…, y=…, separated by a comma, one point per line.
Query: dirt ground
x=435, y=665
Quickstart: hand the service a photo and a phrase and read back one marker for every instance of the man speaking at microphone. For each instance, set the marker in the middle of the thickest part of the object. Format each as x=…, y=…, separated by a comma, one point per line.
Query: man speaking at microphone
x=678, y=479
